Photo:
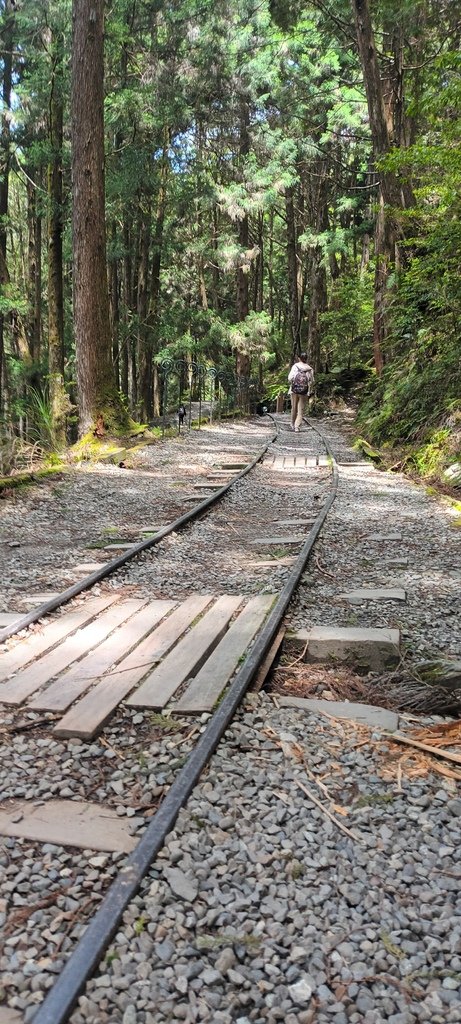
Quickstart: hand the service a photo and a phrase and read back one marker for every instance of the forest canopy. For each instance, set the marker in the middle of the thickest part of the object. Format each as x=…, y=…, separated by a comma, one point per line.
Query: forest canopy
x=261, y=179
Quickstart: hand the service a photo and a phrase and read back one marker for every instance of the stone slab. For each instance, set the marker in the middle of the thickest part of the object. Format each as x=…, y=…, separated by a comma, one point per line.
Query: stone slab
x=88, y=567
x=9, y=1016
x=370, y=648
x=37, y=599
x=120, y=547
x=208, y=486
x=370, y=715
x=273, y=563
x=294, y=522
x=67, y=823
x=393, y=535
x=355, y=465
x=370, y=594
x=274, y=541
x=6, y=618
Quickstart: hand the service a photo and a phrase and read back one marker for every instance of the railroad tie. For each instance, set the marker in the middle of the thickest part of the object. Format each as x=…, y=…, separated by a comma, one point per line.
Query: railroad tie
x=206, y=688
x=188, y=656
x=87, y=718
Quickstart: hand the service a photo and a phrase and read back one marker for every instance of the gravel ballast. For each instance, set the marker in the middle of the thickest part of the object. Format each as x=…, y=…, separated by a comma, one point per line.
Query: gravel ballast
x=260, y=908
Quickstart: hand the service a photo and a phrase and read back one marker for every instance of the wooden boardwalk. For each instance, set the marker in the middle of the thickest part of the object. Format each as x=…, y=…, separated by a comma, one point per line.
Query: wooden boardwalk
x=153, y=654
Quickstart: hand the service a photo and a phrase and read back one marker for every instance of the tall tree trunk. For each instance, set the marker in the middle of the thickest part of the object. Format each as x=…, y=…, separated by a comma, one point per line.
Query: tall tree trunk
x=34, y=274
x=98, y=401
x=144, y=359
x=242, y=305
x=318, y=305
x=58, y=398
x=128, y=307
x=115, y=306
x=152, y=385
x=387, y=230
x=5, y=156
x=318, y=298
x=292, y=262
x=215, y=269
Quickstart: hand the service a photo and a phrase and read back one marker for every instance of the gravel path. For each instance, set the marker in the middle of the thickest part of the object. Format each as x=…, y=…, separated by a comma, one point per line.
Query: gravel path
x=46, y=530
x=261, y=908
x=282, y=917
x=372, y=504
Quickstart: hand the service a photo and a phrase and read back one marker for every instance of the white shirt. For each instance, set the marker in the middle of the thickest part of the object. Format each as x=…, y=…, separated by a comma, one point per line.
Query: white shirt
x=294, y=371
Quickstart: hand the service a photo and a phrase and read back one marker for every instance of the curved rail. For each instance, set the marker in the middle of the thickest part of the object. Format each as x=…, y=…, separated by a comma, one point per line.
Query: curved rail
x=62, y=998
x=143, y=545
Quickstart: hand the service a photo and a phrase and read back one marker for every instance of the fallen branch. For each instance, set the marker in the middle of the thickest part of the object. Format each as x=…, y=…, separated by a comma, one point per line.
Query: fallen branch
x=322, y=569
x=285, y=668
x=397, y=737
x=324, y=810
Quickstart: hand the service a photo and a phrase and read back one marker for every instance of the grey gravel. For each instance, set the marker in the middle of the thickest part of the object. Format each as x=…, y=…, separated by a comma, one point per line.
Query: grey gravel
x=259, y=909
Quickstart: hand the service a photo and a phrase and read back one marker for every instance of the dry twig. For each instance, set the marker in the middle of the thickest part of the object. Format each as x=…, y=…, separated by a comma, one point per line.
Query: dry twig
x=324, y=810
x=398, y=737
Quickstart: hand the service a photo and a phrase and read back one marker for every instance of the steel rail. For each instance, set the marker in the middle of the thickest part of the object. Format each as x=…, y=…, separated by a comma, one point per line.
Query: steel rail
x=62, y=998
x=143, y=545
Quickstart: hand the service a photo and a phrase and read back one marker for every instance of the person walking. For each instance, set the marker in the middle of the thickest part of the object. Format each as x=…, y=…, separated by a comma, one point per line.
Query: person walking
x=301, y=378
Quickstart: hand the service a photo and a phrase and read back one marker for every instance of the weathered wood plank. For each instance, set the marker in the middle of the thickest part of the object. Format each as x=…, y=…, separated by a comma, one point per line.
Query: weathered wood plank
x=50, y=665
x=79, y=677
x=206, y=688
x=188, y=657
x=51, y=634
x=266, y=665
x=89, y=716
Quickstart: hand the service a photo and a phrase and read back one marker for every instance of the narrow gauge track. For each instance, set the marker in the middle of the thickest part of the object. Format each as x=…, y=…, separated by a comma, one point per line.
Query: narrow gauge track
x=61, y=999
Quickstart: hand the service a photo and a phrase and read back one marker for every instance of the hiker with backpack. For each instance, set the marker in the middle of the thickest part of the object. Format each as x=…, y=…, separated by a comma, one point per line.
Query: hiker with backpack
x=301, y=378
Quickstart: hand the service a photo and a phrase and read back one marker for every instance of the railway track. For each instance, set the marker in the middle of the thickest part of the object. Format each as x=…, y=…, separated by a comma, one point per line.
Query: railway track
x=170, y=653
x=125, y=907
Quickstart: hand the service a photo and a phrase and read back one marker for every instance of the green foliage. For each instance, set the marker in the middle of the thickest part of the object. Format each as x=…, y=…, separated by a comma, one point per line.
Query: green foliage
x=347, y=325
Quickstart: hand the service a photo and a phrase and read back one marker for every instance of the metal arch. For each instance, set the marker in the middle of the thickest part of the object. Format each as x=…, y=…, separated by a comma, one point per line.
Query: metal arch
x=236, y=386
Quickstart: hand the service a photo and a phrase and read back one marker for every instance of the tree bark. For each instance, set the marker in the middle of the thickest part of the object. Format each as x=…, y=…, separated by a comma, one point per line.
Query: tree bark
x=5, y=157
x=98, y=401
x=152, y=386
x=58, y=398
x=243, y=303
x=144, y=359
x=34, y=274
x=292, y=262
x=387, y=231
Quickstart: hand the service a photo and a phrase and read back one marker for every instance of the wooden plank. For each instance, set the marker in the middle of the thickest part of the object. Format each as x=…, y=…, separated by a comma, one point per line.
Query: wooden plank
x=206, y=688
x=89, y=716
x=51, y=634
x=50, y=665
x=187, y=657
x=266, y=665
x=79, y=677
